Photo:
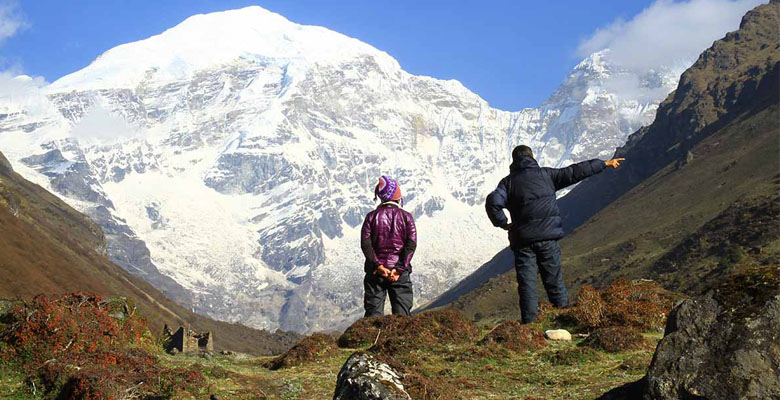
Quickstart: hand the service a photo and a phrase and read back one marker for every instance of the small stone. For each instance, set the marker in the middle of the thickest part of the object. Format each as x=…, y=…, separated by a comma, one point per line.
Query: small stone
x=117, y=315
x=558, y=334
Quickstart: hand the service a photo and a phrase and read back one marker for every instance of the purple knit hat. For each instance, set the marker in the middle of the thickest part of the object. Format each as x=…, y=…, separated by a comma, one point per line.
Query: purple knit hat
x=388, y=190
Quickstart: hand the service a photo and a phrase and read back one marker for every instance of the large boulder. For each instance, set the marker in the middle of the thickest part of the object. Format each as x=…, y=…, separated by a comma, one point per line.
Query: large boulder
x=724, y=345
x=365, y=378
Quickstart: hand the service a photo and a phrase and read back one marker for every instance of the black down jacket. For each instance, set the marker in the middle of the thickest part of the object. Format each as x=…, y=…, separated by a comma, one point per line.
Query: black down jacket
x=529, y=195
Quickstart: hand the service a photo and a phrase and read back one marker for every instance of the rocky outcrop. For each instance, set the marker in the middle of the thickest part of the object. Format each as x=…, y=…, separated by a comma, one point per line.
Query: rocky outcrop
x=725, y=345
x=364, y=378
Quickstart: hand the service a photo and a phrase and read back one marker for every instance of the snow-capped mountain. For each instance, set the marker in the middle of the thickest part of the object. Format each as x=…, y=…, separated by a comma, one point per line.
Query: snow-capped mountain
x=231, y=159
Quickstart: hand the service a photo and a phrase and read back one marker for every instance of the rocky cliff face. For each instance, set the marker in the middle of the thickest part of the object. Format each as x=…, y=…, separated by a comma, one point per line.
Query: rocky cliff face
x=230, y=160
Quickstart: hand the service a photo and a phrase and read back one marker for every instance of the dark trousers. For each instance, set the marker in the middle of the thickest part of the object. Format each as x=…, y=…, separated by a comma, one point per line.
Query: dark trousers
x=542, y=257
x=377, y=288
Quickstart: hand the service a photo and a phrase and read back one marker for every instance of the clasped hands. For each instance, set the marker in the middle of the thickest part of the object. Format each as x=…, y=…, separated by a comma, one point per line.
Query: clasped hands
x=391, y=275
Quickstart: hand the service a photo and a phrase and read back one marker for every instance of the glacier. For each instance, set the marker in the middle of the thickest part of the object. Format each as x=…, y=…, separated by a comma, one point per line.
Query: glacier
x=230, y=159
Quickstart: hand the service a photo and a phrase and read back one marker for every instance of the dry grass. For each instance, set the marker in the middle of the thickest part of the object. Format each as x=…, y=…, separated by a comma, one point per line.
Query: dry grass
x=310, y=349
x=364, y=332
x=615, y=339
x=640, y=304
x=514, y=336
x=432, y=328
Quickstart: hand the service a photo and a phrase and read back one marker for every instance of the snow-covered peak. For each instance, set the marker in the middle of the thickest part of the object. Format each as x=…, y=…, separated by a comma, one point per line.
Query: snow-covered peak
x=595, y=63
x=206, y=40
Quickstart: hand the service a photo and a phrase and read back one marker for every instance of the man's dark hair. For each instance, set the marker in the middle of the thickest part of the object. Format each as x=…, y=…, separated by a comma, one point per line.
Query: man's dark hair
x=522, y=151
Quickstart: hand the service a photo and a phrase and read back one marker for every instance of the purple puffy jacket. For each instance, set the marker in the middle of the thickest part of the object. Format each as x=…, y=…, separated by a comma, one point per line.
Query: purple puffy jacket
x=388, y=238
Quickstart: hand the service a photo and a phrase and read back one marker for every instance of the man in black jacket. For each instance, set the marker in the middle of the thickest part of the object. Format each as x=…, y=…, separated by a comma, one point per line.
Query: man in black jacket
x=528, y=192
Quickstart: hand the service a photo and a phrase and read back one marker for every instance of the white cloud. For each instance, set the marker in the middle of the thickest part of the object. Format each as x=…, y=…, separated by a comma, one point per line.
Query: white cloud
x=100, y=126
x=11, y=19
x=667, y=33
x=21, y=93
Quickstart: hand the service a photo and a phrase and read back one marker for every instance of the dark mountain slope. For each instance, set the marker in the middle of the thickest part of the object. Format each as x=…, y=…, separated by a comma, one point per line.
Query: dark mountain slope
x=48, y=247
x=738, y=76
x=709, y=161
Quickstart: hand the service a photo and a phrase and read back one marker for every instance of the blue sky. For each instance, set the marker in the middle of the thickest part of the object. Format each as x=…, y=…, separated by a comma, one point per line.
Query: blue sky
x=512, y=53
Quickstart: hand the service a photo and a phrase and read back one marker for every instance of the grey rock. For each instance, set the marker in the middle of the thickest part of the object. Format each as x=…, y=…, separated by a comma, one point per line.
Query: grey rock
x=153, y=212
x=714, y=349
x=241, y=173
x=71, y=178
x=364, y=378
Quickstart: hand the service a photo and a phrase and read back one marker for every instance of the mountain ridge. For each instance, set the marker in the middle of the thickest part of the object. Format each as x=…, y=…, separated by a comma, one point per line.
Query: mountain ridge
x=205, y=41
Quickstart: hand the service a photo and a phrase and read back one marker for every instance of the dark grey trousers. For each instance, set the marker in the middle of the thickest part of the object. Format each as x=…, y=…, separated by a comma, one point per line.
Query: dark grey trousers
x=543, y=258
x=377, y=288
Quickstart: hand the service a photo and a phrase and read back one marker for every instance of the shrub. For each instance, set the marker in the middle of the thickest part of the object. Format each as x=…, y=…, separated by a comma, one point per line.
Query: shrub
x=590, y=309
x=74, y=326
x=79, y=346
x=307, y=350
x=432, y=328
x=639, y=304
x=367, y=330
x=401, y=337
x=615, y=339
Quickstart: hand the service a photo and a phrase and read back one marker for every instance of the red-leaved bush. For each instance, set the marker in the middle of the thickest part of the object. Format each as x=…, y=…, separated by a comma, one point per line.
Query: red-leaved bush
x=79, y=346
x=639, y=304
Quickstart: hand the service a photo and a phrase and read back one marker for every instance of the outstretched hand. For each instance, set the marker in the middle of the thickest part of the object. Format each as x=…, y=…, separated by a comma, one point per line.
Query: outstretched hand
x=614, y=163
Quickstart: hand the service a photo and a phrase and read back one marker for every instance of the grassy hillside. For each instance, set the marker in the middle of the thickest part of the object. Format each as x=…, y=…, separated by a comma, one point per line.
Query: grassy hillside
x=697, y=199
x=47, y=247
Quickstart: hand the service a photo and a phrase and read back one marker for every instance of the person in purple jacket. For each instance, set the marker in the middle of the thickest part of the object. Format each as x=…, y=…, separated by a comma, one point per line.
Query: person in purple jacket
x=388, y=240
